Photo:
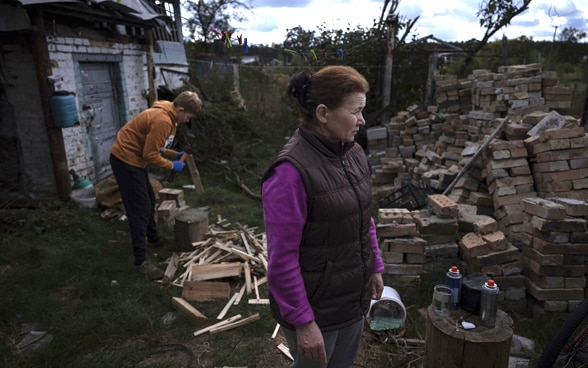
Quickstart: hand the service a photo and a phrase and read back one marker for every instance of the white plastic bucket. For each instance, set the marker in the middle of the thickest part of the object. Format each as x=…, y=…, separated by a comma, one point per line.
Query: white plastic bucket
x=387, y=313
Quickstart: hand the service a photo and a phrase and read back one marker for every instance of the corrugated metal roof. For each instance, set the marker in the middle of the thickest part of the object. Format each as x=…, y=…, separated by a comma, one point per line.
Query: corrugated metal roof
x=136, y=8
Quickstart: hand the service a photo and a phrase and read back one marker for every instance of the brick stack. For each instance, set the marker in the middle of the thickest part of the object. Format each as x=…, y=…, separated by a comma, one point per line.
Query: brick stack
x=485, y=94
x=486, y=250
x=402, y=250
x=447, y=93
x=377, y=138
x=509, y=180
x=555, y=247
x=438, y=226
x=556, y=96
x=560, y=162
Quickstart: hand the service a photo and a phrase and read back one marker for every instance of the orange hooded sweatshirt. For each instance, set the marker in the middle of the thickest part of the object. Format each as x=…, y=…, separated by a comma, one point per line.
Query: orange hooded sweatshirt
x=140, y=141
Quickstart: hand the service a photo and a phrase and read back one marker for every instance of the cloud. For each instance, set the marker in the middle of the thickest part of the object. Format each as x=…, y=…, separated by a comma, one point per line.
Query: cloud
x=454, y=20
x=281, y=3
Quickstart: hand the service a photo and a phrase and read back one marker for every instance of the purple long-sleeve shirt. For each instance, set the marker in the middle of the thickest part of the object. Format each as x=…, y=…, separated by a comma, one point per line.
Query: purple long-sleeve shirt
x=284, y=206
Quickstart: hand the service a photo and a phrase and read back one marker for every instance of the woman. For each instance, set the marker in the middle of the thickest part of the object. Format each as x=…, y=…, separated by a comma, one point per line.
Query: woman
x=324, y=266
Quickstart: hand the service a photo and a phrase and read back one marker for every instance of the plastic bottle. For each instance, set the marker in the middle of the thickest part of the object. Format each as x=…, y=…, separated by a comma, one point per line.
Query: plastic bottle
x=453, y=280
x=489, y=303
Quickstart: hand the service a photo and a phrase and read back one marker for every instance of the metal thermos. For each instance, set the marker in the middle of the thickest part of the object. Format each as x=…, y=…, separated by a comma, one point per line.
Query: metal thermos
x=453, y=281
x=489, y=303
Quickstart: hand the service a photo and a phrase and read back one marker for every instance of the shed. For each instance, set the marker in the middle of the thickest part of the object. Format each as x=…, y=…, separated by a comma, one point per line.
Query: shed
x=98, y=53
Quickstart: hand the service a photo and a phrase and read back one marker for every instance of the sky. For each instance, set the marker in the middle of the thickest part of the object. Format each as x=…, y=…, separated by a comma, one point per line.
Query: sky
x=449, y=20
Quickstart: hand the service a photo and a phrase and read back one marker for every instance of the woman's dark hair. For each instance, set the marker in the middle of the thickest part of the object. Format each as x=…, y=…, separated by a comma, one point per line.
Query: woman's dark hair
x=328, y=86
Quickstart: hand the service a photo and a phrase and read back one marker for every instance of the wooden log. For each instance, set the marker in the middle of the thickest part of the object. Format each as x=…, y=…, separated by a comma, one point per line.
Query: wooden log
x=449, y=346
x=190, y=226
x=206, y=291
x=188, y=310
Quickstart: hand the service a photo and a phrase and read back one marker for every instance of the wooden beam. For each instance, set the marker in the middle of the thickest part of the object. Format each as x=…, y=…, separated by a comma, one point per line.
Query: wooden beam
x=195, y=174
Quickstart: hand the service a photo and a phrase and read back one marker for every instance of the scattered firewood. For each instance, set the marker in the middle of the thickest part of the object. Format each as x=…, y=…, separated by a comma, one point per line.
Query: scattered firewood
x=222, y=323
x=224, y=255
x=239, y=323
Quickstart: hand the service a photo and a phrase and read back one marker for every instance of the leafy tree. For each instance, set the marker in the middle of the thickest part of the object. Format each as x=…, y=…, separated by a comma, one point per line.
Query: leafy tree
x=571, y=35
x=494, y=15
x=213, y=13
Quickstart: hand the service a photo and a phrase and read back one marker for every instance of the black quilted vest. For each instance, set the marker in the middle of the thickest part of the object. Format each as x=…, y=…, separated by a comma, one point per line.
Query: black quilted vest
x=336, y=258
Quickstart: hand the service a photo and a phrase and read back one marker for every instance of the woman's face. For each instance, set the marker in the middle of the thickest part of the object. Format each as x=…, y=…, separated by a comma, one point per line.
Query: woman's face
x=342, y=123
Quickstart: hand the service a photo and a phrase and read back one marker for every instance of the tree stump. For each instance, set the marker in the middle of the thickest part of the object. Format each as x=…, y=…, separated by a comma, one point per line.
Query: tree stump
x=481, y=347
x=190, y=226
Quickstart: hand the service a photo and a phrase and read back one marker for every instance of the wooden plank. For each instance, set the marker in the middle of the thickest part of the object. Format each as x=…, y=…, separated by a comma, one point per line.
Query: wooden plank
x=187, y=309
x=195, y=174
x=239, y=323
x=215, y=271
x=206, y=291
x=222, y=323
x=171, y=268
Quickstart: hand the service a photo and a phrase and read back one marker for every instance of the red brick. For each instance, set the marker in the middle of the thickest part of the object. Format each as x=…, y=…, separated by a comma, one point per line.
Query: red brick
x=473, y=245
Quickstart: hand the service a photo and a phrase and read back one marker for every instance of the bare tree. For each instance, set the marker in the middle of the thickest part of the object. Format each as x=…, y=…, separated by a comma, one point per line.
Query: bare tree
x=572, y=35
x=494, y=15
x=216, y=14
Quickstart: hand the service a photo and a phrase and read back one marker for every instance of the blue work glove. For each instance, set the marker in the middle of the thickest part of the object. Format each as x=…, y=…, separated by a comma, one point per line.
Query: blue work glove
x=179, y=155
x=178, y=166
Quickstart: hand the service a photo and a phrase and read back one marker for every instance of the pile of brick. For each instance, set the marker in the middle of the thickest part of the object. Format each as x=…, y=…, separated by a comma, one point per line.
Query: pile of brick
x=408, y=239
x=509, y=180
x=555, y=249
x=516, y=89
x=538, y=154
x=560, y=161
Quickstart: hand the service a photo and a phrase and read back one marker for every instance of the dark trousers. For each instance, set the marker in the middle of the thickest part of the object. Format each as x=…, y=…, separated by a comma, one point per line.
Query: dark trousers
x=139, y=202
x=341, y=347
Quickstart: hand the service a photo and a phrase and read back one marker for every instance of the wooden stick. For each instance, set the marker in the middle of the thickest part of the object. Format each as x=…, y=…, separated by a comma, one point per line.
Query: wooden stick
x=230, y=326
x=225, y=322
x=226, y=308
x=240, y=294
x=284, y=349
x=276, y=331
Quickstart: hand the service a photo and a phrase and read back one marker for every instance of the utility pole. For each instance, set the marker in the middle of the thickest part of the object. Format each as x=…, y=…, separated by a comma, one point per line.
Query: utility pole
x=391, y=22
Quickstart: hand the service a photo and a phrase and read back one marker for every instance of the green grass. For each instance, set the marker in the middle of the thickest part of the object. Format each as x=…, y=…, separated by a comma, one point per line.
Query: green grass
x=68, y=272
x=59, y=262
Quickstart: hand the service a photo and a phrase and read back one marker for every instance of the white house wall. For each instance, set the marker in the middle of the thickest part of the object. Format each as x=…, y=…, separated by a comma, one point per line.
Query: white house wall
x=62, y=51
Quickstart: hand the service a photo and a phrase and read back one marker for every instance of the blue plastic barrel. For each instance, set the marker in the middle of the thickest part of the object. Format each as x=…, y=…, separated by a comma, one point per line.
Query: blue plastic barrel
x=65, y=111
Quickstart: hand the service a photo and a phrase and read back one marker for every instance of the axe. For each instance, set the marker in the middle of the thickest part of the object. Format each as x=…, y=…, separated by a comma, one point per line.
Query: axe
x=172, y=175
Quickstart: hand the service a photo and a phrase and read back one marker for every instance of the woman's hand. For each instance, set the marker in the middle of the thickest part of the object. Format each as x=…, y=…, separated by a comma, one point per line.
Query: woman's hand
x=377, y=286
x=310, y=342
